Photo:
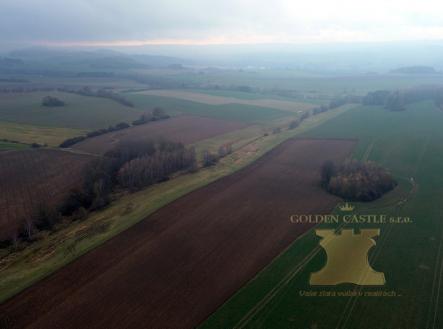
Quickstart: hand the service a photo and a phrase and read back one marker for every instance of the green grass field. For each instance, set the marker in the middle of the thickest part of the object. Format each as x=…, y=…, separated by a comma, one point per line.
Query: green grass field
x=28, y=134
x=23, y=119
x=410, y=144
x=80, y=112
x=255, y=95
x=12, y=146
x=233, y=112
x=305, y=82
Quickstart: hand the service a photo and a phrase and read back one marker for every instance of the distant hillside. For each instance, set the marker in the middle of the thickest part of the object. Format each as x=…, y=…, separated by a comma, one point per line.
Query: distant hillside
x=161, y=61
x=39, y=58
x=8, y=62
x=415, y=70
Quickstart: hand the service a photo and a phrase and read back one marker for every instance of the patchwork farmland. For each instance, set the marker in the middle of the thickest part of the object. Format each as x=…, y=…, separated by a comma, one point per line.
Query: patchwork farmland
x=183, y=257
x=161, y=235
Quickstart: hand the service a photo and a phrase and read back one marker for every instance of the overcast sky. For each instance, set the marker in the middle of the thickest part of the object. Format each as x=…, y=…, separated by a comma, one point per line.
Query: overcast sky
x=134, y=22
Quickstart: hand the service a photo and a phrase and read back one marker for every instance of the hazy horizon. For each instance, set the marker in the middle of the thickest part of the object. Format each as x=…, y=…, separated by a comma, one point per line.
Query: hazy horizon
x=114, y=23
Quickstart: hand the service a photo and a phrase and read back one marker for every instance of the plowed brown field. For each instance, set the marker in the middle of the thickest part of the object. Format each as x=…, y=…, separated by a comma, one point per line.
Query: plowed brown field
x=177, y=266
x=184, y=129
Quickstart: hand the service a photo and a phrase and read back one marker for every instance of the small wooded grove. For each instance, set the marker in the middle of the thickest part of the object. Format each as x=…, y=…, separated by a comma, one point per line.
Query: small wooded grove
x=156, y=166
x=356, y=181
x=129, y=166
x=103, y=93
x=50, y=101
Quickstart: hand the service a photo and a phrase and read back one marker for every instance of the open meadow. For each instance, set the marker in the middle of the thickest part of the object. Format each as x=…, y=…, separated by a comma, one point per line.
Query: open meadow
x=80, y=112
x=228, y=111
x=278, y=104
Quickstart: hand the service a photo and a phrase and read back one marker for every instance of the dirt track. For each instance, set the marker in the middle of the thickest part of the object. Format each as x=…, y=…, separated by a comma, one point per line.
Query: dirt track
x=184, y=129
x=176, y=267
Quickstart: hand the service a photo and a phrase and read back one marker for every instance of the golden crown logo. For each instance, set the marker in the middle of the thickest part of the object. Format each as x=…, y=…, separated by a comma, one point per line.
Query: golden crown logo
x=346, y=207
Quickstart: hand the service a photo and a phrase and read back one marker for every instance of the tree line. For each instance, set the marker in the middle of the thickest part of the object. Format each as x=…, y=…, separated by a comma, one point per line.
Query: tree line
x=333, y=104
x=397, y=100
x=156, y=115
x=211, y=159
x=129, y=166
x=103, y=93
x=153, y=168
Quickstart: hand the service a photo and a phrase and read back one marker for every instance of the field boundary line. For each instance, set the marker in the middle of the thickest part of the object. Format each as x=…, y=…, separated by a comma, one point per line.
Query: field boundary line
x=283, y=282
x=368, y=151
x=274, y=291
x=353, y=300
x=437, y=300
x=434, y=297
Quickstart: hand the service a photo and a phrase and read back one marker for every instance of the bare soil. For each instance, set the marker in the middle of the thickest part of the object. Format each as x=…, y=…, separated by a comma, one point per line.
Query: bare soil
x=184, y=129
x=176, y=267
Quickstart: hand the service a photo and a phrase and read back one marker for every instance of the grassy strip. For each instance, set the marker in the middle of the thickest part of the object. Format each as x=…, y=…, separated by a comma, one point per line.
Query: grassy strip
x=21, y=269
x=12, y=146
x=28, y=134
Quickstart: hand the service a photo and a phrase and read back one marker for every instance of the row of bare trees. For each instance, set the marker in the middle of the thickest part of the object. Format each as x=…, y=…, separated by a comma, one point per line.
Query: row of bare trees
x=155, y=115
x=130, y=165
x=150, y=169
x=210, y=158
x=398, y=99
x=102, y=92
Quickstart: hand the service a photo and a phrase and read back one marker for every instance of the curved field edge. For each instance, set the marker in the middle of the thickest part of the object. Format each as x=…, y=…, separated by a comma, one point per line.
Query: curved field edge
x=410, y=254
x=21, y=269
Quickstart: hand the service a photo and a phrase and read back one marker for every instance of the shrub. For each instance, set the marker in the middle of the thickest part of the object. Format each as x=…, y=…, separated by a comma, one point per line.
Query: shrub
x=71, y=141
x=50, y=101
x=209, y=159
x=224, y=150
x=276, y=130
x=294, y=124
x=46, y=217
x=156, y=114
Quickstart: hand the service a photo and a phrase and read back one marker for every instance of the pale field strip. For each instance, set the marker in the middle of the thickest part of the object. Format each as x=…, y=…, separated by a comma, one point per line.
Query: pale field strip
x=222, y=100
x=25, y=133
